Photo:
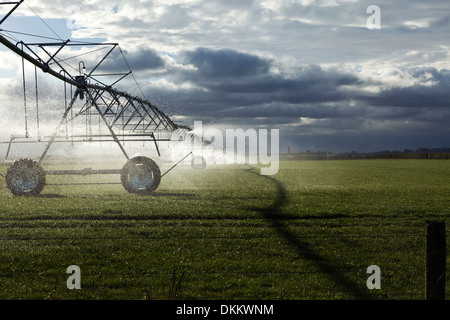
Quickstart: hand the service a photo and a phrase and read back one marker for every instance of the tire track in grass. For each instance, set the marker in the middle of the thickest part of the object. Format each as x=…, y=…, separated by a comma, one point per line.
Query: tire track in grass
x=274, y=214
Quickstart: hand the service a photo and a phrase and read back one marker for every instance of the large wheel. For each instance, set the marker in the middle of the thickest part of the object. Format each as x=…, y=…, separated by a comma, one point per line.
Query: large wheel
x=25, y=177
x=141, y=175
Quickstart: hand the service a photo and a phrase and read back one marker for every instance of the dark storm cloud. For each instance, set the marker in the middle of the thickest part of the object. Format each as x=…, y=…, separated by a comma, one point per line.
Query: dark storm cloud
x=291, y=111
x=442, y=22
x=238, y=80
x=313, y=101
x=393, y=95
x=303, y=86
x=311, y=68
x=393, y=113
x=434, y=95
x=142, y=59
x=226, y=63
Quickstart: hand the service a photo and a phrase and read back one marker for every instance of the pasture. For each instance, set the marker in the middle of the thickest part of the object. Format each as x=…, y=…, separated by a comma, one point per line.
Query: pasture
x=226, y=232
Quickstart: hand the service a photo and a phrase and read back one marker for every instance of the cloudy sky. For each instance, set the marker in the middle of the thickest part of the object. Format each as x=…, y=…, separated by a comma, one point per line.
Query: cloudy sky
x=311, y=68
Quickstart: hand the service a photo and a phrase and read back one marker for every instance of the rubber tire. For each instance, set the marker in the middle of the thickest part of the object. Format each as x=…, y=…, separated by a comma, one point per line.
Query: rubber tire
x=150, y=166
x=25, y=169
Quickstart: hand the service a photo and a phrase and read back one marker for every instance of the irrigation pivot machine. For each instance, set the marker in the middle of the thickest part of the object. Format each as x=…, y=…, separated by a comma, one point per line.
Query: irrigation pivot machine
x=126, y=117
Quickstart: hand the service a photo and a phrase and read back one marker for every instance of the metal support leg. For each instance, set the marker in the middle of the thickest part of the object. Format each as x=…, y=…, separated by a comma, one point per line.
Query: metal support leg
x=107, y=125
x=59, y=125
x=156, y=144
x=9, y=147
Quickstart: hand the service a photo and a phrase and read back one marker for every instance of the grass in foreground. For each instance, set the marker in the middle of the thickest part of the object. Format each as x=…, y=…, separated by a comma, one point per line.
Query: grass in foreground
x=310, y=232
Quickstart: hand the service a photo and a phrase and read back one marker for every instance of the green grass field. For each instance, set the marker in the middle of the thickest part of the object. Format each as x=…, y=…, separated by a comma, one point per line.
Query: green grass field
x=309, y=232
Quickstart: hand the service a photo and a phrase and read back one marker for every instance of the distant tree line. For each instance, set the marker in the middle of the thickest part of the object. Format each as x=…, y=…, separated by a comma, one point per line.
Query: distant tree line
x=419, y=153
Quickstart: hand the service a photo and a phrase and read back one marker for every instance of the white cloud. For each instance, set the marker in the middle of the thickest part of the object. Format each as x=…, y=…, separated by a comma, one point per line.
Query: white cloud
x=292, y=34
x=425, y=23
